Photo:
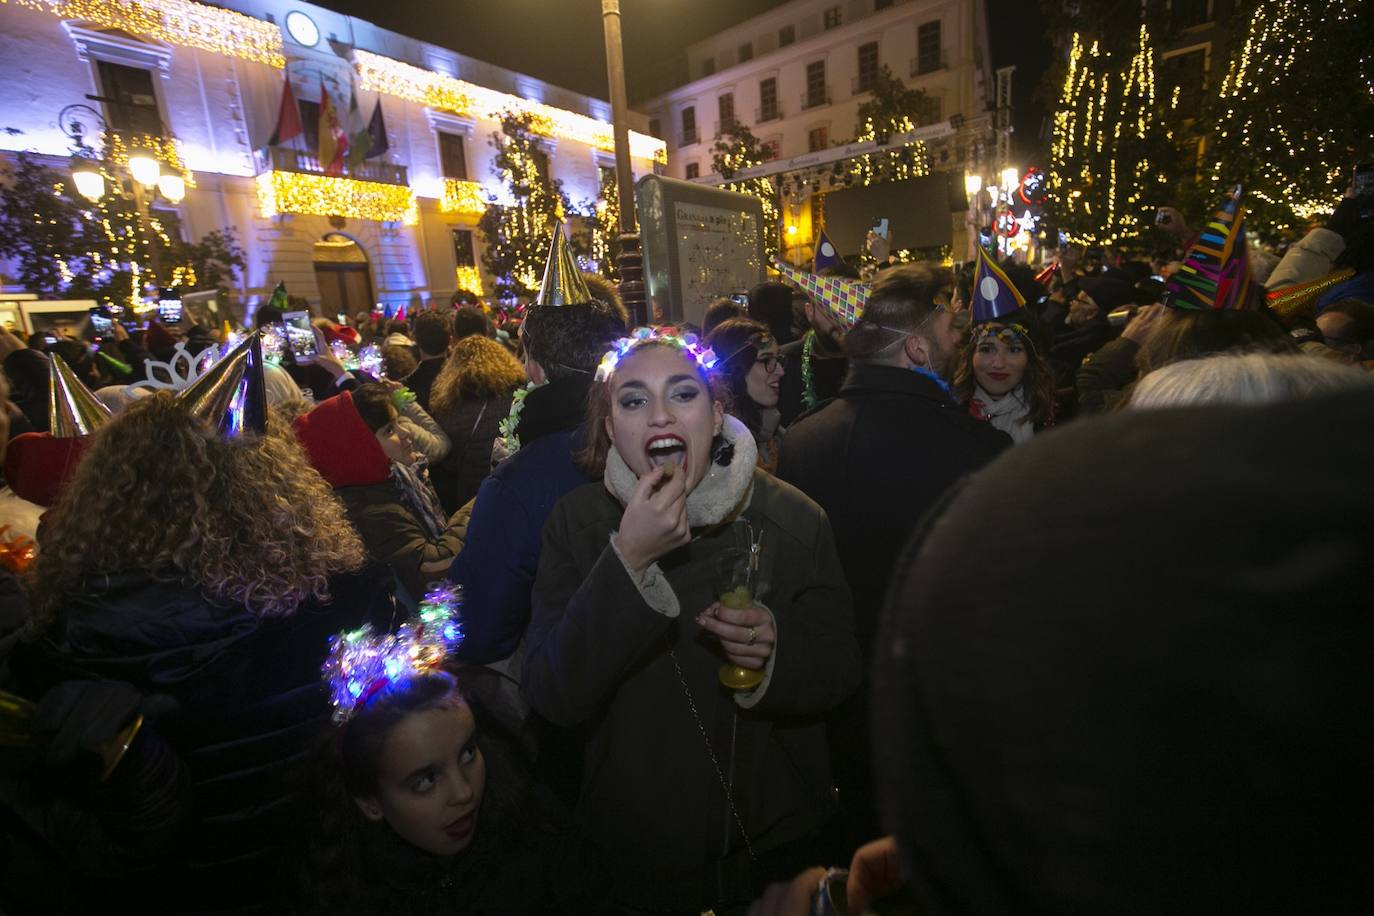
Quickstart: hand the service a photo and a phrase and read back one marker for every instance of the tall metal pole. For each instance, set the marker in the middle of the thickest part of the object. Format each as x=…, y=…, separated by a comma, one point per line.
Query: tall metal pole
x=630, y=260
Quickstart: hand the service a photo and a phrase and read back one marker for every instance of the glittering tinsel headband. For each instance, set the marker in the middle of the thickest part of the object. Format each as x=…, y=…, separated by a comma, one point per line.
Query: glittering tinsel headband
x=1007, y=333
x=360, y=664
x=685, y=341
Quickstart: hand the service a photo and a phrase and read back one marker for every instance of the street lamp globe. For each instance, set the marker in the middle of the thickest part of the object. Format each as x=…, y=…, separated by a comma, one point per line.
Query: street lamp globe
x=973, y=184
x=172, y=186
x=144, y=167
x=90, y=184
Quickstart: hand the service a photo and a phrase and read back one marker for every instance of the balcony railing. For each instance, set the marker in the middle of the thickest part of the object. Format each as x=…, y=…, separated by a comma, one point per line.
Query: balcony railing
x=814, y=99
x=763, y=115
x=286, y=159
x=920, y=66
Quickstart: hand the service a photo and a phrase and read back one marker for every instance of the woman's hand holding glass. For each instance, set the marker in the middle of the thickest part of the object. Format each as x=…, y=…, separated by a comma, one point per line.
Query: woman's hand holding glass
x=655, y=521
x=746, y=634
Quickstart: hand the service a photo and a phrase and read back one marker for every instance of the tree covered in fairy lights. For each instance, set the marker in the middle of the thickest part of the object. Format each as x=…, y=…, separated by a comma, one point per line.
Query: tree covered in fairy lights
x=605, y=224
x=892, y=110
x=738, y=149
x=516, y=236
x=1113, y=150
x=1295, y=110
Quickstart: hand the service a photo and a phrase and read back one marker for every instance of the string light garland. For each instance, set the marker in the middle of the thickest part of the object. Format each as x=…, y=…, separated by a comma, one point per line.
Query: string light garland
x=606, y=227
x=435, y=90
x=176, y=22
x=325, y=195
x=463, y=198
x=686, y=341
x=166, y=150
x=469, y=279
x=1105, y=124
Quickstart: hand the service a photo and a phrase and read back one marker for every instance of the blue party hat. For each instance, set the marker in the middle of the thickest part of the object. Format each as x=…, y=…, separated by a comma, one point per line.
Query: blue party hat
x=994, y=296
x=826, y=255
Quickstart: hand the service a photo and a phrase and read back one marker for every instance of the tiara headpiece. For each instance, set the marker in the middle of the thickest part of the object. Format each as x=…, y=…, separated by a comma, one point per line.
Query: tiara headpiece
x=686, y=341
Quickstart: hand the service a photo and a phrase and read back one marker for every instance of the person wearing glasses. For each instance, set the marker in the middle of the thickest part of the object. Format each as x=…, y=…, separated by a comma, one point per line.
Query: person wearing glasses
x=876, y=457
x=754, y=371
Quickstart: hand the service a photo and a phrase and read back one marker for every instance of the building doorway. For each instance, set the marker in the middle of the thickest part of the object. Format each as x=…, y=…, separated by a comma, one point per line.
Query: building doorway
x=343, y=276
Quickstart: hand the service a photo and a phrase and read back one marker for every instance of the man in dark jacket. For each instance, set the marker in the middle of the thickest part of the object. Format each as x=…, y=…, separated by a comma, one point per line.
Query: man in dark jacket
x=880, y=454
x=433, y=331
x=814, y=365
x=563, y=346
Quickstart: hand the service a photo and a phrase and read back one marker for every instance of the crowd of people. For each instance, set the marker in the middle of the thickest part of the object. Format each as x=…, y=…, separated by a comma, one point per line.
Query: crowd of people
x=903, y=589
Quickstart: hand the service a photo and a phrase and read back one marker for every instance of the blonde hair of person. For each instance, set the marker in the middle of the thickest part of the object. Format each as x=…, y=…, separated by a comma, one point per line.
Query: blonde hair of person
x=247, y=520
x=477, y=368
x=1246, y=379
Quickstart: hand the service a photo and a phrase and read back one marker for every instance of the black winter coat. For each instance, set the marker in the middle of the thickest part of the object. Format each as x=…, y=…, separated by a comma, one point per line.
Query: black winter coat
x=471, y=427
x=602, y=658
x=876, y=457
x=246, y=708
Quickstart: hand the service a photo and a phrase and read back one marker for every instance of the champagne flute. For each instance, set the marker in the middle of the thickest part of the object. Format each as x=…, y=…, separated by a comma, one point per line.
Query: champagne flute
x=736, y=580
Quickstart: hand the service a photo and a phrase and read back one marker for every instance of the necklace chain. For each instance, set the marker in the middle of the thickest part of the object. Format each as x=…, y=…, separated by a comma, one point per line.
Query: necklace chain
x=720, y=774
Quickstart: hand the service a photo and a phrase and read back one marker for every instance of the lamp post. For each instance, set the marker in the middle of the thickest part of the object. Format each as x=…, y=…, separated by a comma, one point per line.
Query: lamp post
x=631, y=259
x=145, y=180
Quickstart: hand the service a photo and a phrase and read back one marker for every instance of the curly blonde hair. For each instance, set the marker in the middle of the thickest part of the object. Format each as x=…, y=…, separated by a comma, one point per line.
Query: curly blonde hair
x=248, y=520
x=478, y=368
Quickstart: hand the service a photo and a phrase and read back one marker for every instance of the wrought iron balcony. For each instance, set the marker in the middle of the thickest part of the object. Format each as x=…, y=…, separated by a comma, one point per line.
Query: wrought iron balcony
x=815, y=99
x=287, y=159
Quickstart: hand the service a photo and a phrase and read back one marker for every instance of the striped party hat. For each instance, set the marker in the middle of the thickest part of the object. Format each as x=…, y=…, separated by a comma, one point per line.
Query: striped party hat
x=1216, y=270
x=841, y=297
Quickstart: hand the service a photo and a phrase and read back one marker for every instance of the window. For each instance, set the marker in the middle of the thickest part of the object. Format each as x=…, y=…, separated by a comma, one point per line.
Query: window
x=130, y=100
x=689, y=125
x=817, y=138
x=815, y=84
x=786, y=35
x=655, y=128
x=928, y=47
x=453, y=160
x=310, y=123
x=541, y=164
x=1187, y=72
x=1184, y=14
x=832, y=17
x=708, y=66
x=693, y=170
x=746, y=51
x=464, y=254
x=868, y=66
x=881, y=4
x=768, y=99
x=770, y=149
x=726, y=104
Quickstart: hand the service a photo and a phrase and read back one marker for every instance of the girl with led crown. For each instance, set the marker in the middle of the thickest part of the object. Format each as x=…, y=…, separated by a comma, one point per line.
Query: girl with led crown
x=681, y=557
x=425, y=809
x=1001, y=377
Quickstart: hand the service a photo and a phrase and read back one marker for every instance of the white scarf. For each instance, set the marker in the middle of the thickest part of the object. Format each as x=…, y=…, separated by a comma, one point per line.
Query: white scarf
x=721, y=491
x=1009, y=413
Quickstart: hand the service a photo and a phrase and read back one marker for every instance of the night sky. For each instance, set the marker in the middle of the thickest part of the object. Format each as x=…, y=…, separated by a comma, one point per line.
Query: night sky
x=560, y=40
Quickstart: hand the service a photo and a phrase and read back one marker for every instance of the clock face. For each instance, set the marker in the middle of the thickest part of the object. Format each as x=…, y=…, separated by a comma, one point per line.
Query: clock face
x=302, y=28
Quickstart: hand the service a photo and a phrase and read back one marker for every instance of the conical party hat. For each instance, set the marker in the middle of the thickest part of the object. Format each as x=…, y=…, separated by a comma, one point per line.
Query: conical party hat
x=563, y=283
x=994, y=295
x=826, y=255
x=72, y=410
x=280, y=300
x=1289, y=301
x=232, y=395
x=842, y=297
x=1216, y=270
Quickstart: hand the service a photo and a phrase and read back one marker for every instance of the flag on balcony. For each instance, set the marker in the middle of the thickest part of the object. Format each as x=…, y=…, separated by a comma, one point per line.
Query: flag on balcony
x=359, y=140
x=376, y=133
x=333, y=140
x=288, y=118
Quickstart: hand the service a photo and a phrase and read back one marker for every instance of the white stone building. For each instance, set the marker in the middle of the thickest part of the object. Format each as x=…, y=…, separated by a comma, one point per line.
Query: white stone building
x=398, y=229
x=797, y=75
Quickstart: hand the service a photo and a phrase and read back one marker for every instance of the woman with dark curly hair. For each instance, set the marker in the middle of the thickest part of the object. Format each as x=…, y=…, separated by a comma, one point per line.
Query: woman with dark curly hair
x=199, y=576
x=470, y=398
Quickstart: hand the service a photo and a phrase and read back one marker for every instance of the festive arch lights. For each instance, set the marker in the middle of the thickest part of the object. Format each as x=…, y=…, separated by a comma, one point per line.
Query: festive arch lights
x=435, y=90
x=176, y=22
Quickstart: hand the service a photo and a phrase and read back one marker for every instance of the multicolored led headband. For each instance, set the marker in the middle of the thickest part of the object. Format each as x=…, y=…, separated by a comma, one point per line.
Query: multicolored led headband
x=685, y=341
x=1007, y=333
x=360, y=665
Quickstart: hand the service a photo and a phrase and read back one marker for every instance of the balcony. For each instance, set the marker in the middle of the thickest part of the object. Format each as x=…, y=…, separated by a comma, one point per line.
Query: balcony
x=463, y=198
x=929, y=63
x=766, y=114
x=286, y=159
x=290, y=181
x=689, y=136
x=815, y=99
x=863, y=83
